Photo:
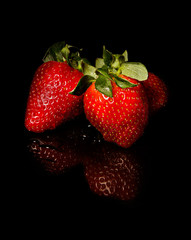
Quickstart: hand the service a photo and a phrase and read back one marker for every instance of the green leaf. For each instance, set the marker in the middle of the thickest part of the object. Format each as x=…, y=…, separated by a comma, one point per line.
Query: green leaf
x=125, y=54
x=61, y=52
x=123, y=83
x=83, y=85
x=88, y=69
x=85, y=60
x=54, y=52
x=99, y=63
x=134, y=70
x=107, y=57
x=66, y=53
x=104, y=86
x=104, y=72
x=119, y=59
x=71, y=54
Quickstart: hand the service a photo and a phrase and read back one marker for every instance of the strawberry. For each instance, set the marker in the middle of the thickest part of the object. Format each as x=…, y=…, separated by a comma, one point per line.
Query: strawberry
x=114, y=172
x=157, y=93
x=116, y=103
x=121, y=119
x=49, y=103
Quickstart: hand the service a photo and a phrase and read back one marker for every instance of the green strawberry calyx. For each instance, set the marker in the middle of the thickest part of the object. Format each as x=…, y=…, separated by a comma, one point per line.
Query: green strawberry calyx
x=61, y=52
x=108, y=69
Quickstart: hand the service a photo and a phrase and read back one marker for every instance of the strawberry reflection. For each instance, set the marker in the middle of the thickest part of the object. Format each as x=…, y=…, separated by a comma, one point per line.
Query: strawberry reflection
x=53, y=158
x=58, y=150
x=110, y=170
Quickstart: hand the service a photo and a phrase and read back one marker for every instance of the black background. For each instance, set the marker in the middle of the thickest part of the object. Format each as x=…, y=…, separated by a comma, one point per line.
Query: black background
x=151, y=41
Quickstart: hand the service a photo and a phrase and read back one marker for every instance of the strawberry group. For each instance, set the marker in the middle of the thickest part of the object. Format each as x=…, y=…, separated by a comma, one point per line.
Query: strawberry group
x=117, y=96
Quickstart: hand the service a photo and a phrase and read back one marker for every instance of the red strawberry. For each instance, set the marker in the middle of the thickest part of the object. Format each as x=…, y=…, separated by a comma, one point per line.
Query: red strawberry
x=50, y=102
x=114, y=172
x=116, y=104
x=157, y=93
x=122, y=118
